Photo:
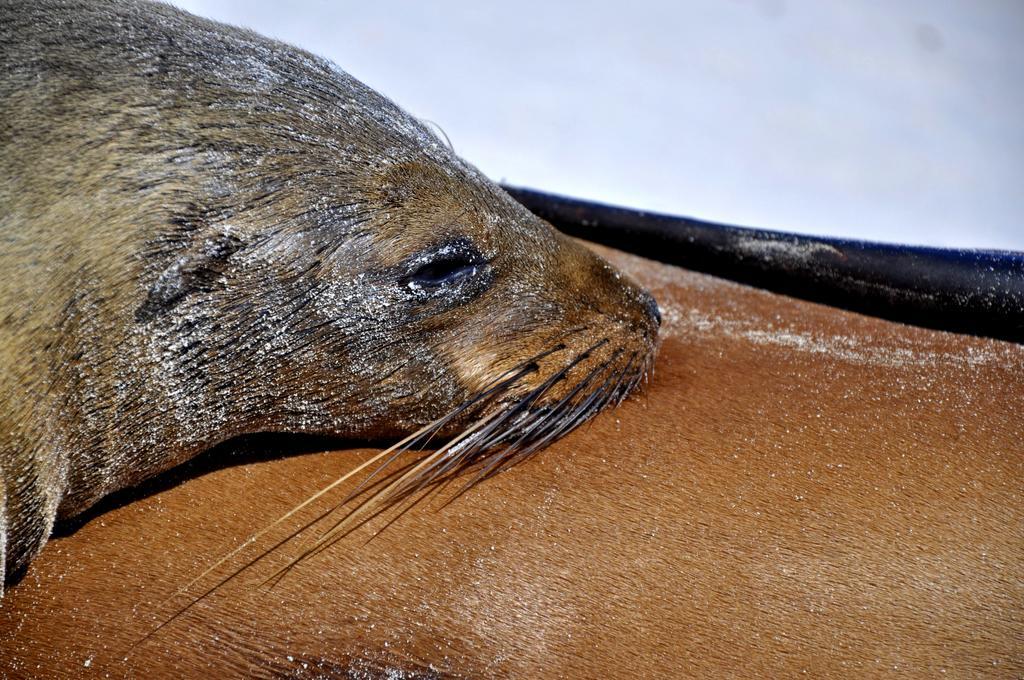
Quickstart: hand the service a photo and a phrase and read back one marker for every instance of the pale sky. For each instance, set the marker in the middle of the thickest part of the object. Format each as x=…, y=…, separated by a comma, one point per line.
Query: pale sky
x=894, y=121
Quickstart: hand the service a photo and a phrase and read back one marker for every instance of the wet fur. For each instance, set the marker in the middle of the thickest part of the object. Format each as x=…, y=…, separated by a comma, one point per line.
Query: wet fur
x=206, y=233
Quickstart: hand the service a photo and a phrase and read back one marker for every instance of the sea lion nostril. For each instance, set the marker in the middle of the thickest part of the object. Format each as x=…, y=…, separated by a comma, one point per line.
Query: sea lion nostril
x=652, y=308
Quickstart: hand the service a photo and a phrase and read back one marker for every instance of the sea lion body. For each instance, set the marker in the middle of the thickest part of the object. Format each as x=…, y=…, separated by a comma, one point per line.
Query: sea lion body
x=206, y=233
x=803, y=492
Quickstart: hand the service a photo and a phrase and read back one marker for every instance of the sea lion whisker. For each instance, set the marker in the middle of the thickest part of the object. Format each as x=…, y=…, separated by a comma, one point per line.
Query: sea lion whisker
x=399, y=515
x=487, y=466
x=550, y=419
x=538, y=421
x=575, y=414
x=391, y=491
x=630, y=387
x=486, y=439
x=450, y=471
x=598, y=401
x=437, y=126
x=608, y=390
x=523, y=453
x=270, y=582
x=502, y=383
x=553, y=412
x=324, y=544
x=524, y=403
x=364, y=486
x=258, y=534
x=448, y=462
x=397, y=497
x=430, y=475
x=626, y=385
x=622, y=389
x=617, y=393
x=319, y=546
x=400, y=485
x=607, y=366
x=274, y=578
x=527, y=401
x=567, y=419
x=493, y=433
x=500, y=432
x=263, y=554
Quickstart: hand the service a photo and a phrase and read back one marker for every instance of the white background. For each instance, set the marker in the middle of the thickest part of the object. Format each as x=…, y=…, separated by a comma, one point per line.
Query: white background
x=879, y=119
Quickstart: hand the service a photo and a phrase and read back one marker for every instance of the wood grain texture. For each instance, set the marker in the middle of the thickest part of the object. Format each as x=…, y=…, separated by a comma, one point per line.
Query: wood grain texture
x=797, y=489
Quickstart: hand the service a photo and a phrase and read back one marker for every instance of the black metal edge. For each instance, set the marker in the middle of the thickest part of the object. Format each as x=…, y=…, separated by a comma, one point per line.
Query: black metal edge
x=980, y=292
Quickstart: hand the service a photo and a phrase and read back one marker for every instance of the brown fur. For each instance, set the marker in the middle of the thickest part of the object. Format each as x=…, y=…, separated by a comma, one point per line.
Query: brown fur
x=205, y=233
x=801, y=490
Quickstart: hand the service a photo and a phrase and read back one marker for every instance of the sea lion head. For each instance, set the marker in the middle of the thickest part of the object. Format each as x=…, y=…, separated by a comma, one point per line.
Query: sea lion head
x=396, y=304
x=339, y=269
x=244, y=238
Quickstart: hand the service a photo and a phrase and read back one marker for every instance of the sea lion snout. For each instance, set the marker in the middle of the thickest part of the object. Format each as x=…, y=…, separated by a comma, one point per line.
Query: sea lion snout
x=602, y=288
x=639, y=306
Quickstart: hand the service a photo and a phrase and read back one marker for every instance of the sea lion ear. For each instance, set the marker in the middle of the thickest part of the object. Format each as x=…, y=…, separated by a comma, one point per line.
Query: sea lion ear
x=197, y=270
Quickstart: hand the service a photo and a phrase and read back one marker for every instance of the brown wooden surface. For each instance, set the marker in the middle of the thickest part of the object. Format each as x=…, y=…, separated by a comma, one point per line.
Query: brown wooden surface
x=798, y=489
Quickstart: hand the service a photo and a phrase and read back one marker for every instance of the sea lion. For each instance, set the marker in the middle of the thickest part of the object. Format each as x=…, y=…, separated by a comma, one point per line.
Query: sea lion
x=205, y=233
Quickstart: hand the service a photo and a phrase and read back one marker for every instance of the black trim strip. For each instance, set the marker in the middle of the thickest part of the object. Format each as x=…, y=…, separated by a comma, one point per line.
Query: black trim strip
x=980, y=292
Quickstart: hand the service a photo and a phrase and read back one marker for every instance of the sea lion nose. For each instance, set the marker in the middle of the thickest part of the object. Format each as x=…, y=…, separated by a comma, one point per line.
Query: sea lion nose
x=651, y=305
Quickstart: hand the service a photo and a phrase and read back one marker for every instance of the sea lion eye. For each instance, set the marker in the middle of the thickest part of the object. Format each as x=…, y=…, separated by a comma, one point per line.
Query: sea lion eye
x=448, y=265
x=443, y=271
